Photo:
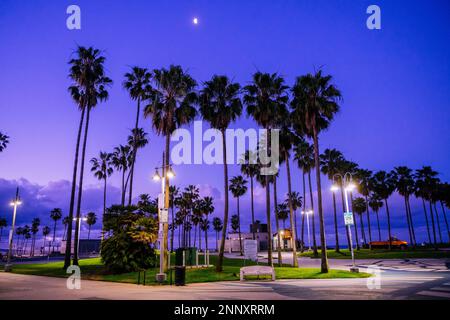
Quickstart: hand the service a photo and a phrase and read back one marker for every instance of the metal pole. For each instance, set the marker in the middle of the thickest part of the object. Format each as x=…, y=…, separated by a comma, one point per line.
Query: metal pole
x=350, y=233
x=11, y=234
x=309, y=235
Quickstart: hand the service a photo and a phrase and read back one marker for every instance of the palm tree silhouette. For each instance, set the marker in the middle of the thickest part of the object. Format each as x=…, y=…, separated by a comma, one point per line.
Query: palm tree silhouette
x=238, y=187
x=45, y=233
x=171, y=102
x=3, y=224
x=65, y=222
x=249, y=168
x=173, y=194
x=363, y=177
x=220, y=105
x=4, y=140
x=217, y=226
x=34, y=230
x=375, y=204
x=120, y=159
x=56, y=215
x=137, y=140
x=88, y=89
x=297, y=202
x=102, y=169
x=359, y=206
x=91, y=219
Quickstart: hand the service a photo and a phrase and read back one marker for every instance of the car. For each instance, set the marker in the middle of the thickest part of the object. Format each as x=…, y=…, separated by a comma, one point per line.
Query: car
x=395, y=244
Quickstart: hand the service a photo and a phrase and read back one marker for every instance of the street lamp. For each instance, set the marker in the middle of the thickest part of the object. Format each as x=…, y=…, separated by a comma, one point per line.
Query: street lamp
x=308, y=213
x=348, y=186
x=15, y=203
x=167, y=172
x=79, y=233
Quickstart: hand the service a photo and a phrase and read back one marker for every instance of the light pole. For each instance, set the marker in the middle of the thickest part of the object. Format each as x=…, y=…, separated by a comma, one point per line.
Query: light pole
x=348, y=186
x=167, y=173
x=79, y=233
x=307, y=213
x=16, y=202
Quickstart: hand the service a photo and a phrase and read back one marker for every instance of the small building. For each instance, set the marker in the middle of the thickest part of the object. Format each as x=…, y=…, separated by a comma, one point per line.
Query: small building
x=261, y=235
x=286, y=239
x=87, y=247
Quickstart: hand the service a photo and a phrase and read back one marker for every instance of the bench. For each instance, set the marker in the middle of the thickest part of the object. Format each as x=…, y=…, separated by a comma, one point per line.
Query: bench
x=257, y=271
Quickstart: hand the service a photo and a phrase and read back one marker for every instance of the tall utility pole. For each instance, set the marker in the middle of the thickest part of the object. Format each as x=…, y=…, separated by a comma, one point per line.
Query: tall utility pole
x=16, y=202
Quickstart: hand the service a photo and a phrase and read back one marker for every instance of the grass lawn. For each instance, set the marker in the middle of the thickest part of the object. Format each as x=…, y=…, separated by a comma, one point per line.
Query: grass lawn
x=383, y=254
x=93, y=269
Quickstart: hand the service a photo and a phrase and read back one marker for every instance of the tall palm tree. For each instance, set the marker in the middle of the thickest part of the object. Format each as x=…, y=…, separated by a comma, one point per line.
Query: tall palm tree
x=238, y=187
x=65, y=222
x=420, y=192
x=282, y=212
x=297, y=202
x=273, y=179
x=3, y=224
x=4, y=140
x=204, y=226
x=376, y=204
x=45, y=233
x=329, y=165
x=426, y=180
x=26, y=237
x=363, y=177
x=120, y=159
x=171, y=104
x=220, y=105
x=91, y=219
x=88, y=89
x=137, y=140
x=102, y=169
x=34, y=230
x=235, y=223
x=173, y=194
x=217, y=226
x=304, y=155
x=404, y=184
x=266, y=100
x=383, y=184
x=359, y=206
x=314, y=104
x=249, y=168
x=56, y=215
x=137, y=83
x=434, y=199
x=443, y=194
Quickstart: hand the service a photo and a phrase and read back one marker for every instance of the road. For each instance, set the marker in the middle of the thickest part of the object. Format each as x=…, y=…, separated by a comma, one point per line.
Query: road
x=398, y=280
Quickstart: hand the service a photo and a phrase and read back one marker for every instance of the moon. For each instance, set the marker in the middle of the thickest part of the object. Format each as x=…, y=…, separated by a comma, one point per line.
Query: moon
x=195, y=21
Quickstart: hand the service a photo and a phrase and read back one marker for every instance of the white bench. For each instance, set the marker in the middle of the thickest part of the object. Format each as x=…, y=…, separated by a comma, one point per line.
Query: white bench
x=257, y=271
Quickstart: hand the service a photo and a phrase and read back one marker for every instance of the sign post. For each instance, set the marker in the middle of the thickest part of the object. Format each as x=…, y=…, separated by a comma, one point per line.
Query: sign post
x=251, y=250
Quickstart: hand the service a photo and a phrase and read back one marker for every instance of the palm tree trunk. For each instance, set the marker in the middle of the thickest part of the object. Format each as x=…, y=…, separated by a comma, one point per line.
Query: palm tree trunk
x=217, y=240
x=199, y=239
x=253, y=208
x=368, y=222
x=89, y=232
x=239, y=218
x=123, y=188
x=362, y=228
x=291, y=214
x=172, y=231
x=445, y=219
x=409, y=223
x=68, y=252
x=426, y=220
x=54, y=235
x=335, y=224
x=355, y=225
x=225, y=214
x=104, y=210
x=206, y=241
x=389, y=223
x=378, y=224
x=134, y=153
x=324, y=259
x=347, y=230
x=195, y=234
x=277, y=223
x=438, y=222
x=316, y=253
x=304, y=210
x=412, y=222
x=433, y=226
x=166, y=205
x=80, y=189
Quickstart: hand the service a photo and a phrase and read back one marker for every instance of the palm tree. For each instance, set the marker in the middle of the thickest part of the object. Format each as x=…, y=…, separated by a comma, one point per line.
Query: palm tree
x=4, y=140
x=329, y=165
x=137, y=83
x=120, y=159
x=171, y=105
x=382, y=183
x=207, y=209
x=19, y=232
x=314, y=104
x=34, y=230
x=173, y=194
x=375, y=204
x=304, y=155
x=45, y=233
x=404, y=184
x=238, y=187
x=217, y=226
x=88, y=89
x=91, y=219
x=102, y=169
x=297, y=202
x=435, y=195
x=220, y=105
x=266, y=100
x=363, y=176
x=3, y=224
x=137, y=140
x=282, y=212
x=273, y=179
x=56, y=215
x=249, y=168
x=351, y=168
x=65, y=222
x=359, y=206
x=26, y=236
x=426, y=180
x=442, y=194
x=235, y=223
x=204, y=226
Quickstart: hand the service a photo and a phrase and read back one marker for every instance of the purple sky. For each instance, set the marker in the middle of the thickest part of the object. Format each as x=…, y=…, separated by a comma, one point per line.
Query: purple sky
x=395, y=83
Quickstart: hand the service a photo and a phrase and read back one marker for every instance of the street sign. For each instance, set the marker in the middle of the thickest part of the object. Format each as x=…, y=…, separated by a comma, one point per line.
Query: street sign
x=161, y=200
x=348, y=218
x=250, y=249
x=163, y=215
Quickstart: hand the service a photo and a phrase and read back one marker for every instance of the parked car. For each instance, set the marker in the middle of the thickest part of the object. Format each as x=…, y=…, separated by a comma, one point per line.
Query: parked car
x=395, y=244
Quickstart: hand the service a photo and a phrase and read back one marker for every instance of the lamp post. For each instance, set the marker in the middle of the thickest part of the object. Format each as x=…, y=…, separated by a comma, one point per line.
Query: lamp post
x=167, y=173
x=79, y=233
x=16, y=202
x=307, y=213
x=348, y=186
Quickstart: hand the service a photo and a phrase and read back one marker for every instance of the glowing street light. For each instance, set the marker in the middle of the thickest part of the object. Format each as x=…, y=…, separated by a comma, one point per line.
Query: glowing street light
x=308, y=213
x=15, y=203
x=348, y=186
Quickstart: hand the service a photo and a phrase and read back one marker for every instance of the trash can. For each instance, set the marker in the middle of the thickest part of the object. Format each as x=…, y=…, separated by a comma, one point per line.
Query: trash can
x=180, y=275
